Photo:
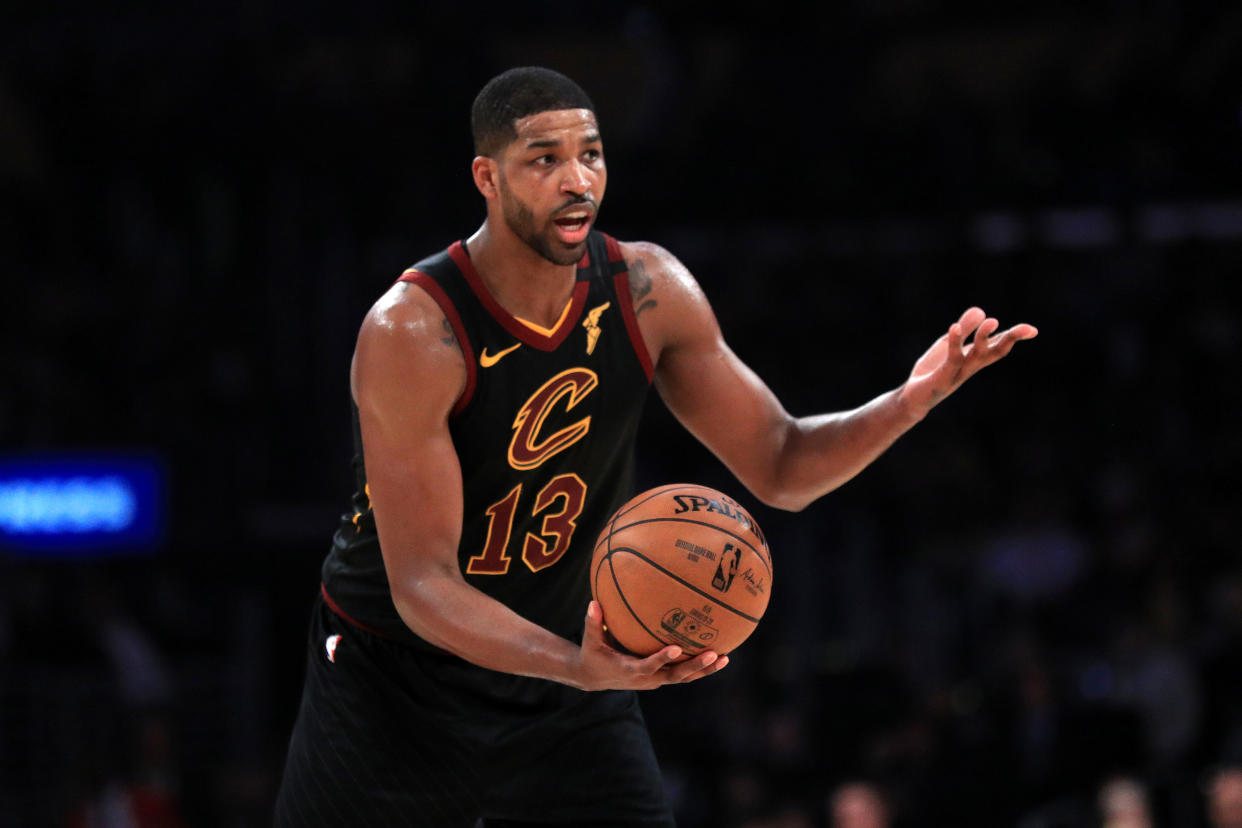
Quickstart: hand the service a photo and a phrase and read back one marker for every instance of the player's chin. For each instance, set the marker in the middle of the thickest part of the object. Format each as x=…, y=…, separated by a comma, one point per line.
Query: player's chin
x=567, y=254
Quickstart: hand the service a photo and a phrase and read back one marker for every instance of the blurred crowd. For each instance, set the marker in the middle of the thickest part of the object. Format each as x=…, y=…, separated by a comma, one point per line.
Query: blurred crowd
x=1028, y=613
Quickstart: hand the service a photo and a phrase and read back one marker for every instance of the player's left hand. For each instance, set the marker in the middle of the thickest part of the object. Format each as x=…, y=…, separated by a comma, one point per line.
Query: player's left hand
x=604, y=667
x=950, y=361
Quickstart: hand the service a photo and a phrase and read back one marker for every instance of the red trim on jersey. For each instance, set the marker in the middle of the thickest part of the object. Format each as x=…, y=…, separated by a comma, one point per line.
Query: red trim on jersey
x=327, y=599
x=450, y=313
x=621, y=283
x=524, y=333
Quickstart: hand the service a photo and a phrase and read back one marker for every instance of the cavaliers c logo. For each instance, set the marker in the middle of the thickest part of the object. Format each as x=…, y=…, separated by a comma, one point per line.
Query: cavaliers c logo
x=527, y=450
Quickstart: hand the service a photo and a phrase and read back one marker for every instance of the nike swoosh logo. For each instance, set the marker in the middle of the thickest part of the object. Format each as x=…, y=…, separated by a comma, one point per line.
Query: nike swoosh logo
x=488, y=361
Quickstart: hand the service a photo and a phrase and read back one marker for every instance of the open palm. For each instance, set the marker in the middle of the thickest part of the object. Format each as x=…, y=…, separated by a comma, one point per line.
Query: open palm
x=950, y=361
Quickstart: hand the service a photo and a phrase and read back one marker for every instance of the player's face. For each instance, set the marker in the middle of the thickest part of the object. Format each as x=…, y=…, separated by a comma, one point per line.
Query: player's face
x=551, y=182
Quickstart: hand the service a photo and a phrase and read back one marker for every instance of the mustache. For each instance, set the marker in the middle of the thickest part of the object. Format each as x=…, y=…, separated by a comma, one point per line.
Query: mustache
x=577, y=201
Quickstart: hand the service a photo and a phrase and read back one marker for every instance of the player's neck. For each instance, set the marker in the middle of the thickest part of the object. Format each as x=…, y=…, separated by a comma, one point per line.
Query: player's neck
x=524, y=283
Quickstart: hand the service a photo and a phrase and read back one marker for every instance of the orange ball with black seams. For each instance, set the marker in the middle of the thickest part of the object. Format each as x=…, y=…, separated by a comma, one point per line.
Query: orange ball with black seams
x=681, y=564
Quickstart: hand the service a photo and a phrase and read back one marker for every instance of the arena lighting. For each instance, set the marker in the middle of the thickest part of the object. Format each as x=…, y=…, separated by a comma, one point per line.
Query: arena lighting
x=55, y=506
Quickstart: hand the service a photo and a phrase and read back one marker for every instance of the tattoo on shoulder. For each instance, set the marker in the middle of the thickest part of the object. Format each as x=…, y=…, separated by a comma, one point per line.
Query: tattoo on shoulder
x=447, y=337
x=640, y=287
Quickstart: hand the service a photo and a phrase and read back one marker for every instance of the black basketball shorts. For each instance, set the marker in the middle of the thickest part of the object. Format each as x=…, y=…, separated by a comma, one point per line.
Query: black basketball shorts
x=387, y=736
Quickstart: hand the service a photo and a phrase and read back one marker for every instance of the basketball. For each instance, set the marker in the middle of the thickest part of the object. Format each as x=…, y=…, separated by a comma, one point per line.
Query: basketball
x=681, y=564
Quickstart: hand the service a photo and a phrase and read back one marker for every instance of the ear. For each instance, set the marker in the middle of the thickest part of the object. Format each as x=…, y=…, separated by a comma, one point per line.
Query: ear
x=486, y=171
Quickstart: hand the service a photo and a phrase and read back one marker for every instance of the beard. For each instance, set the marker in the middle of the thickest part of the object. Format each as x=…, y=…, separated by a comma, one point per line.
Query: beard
x=521, y=220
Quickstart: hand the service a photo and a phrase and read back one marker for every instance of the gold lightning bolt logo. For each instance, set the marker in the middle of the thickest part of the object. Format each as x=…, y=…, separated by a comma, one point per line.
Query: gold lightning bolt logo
x=592, y=325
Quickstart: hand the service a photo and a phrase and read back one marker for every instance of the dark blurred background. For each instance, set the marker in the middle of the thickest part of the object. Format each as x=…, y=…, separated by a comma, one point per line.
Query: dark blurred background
x=1035, y=592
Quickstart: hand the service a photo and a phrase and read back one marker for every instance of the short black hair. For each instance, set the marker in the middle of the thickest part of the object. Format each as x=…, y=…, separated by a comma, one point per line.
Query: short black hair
x=514, y=94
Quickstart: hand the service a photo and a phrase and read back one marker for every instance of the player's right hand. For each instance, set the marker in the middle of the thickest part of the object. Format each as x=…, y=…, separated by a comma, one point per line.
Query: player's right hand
x=603, y=667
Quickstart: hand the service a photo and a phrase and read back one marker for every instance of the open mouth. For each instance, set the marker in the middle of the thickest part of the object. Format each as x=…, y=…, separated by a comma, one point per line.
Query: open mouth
x=573, y=226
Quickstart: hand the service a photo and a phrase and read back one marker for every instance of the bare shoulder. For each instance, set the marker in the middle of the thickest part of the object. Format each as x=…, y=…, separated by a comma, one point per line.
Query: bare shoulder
x=657, y=275
x=670, y=307
x=406, y=334
x=407, y=316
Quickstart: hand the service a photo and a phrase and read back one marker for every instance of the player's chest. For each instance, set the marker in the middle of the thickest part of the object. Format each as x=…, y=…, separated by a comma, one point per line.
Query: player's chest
x=538, y=401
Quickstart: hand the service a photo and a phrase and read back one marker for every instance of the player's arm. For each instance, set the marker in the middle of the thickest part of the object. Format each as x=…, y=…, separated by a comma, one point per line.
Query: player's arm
x=407, y=374
x=783, y=460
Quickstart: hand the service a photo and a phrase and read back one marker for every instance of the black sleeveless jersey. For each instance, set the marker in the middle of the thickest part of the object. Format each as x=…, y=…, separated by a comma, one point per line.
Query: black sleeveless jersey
x=544, y=431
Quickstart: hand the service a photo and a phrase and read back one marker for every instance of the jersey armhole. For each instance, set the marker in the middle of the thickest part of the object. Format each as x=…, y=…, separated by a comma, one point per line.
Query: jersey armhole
x=441, y=298
x=621, y=284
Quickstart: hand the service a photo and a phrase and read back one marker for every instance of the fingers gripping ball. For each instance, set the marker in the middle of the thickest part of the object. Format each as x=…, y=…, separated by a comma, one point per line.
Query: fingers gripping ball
x=681, y=564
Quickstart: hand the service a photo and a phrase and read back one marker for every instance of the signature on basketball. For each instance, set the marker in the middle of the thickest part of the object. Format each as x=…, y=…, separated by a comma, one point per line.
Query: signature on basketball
x=754, y=583
x=723, y=506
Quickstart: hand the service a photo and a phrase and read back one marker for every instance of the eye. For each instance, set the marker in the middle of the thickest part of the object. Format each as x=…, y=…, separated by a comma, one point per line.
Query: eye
x=592, y=155
x=544, y=161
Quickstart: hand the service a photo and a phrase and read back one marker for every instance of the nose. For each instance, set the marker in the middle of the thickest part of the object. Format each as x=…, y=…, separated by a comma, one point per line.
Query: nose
x=576, y=179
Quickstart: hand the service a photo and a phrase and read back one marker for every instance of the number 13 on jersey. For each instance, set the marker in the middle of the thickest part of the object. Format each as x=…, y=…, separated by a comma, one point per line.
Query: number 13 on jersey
x=559, y=502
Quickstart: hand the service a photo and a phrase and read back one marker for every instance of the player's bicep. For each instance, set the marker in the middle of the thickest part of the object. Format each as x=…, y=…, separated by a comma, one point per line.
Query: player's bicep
x=710, y=390
x=415, y=489
x=406, y=377
x=724, y=404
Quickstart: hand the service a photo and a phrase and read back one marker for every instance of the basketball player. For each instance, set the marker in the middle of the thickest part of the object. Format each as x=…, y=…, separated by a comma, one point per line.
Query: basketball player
x=456, y=670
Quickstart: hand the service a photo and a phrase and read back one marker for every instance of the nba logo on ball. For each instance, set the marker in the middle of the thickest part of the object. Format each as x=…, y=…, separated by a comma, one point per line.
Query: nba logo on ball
x=663, y=567
x=723, y=579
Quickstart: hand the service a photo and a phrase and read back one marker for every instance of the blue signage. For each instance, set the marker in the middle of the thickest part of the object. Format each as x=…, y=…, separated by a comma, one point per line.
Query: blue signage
x=80, y=506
